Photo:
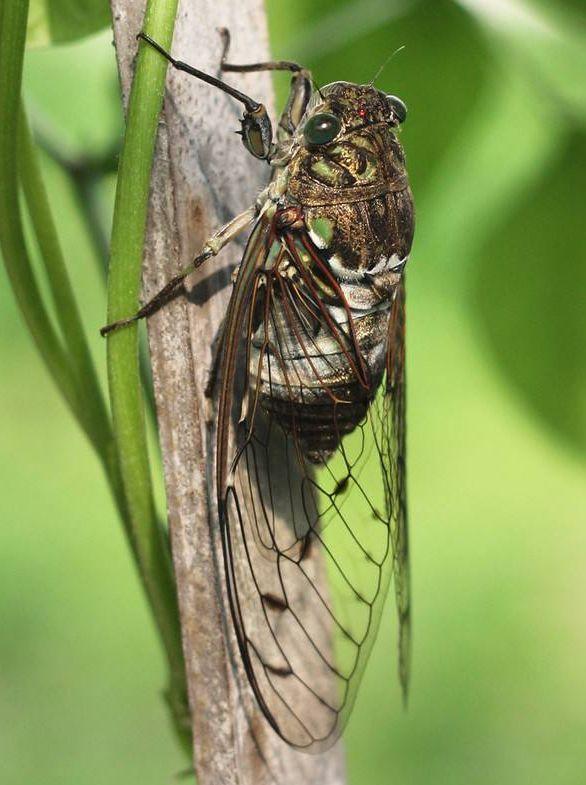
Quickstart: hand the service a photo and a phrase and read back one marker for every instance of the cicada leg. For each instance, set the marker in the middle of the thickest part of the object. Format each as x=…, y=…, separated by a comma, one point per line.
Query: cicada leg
x=257, y=132
x=212, y=247
x=269, y=65
x=299, y=94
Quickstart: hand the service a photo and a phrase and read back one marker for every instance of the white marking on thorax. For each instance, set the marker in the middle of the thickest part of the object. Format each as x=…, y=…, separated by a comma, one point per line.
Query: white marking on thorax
x=317, y=239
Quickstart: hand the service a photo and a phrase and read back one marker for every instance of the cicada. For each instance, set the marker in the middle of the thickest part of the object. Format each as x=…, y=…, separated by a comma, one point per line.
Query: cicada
x=310, y=439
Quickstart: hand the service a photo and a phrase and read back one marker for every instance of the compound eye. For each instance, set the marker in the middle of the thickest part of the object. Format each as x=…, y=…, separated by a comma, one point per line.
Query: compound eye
x=321, y=128
x=398, y=109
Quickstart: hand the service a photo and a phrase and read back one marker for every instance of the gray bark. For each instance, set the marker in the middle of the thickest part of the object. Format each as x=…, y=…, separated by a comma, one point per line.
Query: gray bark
x=202, y=176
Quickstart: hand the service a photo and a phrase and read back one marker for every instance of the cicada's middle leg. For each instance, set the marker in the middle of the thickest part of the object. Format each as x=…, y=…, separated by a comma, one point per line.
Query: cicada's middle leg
x=257, y=131
x=299, y=94
x=259, y=144
x=213, y=246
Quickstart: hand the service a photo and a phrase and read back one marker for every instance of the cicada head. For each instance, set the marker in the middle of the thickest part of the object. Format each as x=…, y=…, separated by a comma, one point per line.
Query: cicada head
x=342, y=108
x=346, y=147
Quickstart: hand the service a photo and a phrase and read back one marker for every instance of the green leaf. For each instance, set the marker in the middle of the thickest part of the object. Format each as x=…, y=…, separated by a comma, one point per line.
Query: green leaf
x=62, y=21
x=527, y=293
x=549, y=43
x=529, y=270
x=81, y=76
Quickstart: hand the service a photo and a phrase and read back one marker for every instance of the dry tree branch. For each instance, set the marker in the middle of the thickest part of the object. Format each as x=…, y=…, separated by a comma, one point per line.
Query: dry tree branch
x=201, y=177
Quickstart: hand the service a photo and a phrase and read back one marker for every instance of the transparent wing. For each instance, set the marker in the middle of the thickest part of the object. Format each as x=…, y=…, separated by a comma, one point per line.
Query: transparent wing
x=393, y=456
x=311, y=535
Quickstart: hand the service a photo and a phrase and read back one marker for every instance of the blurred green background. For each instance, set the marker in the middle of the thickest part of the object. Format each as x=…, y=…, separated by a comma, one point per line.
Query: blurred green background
x=496, y=147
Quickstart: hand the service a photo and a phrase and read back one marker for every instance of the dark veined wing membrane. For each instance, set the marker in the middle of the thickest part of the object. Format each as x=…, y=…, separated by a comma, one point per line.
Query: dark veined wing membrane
x=309, y=543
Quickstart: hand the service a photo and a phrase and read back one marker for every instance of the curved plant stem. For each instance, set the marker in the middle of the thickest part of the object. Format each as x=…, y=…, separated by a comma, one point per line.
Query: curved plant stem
x=71, y=367
x=85, y=174
x=12, y=241
x=130, y=216
x=93, y=413
x=68, y=359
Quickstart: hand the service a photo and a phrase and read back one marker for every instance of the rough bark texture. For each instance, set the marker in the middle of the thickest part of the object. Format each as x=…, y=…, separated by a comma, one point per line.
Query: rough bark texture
x=202, y=176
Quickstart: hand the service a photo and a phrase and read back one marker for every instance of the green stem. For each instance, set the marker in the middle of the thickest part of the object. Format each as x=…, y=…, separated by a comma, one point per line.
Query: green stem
x=79, y=385
x=84, y=181
x=93, y=413
x=71, y=366
x=128, y=229
x=12, y=241
x=85, y=174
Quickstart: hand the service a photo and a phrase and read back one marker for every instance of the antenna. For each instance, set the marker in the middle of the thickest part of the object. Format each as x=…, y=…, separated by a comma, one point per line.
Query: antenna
x=384, y=65
x=317, y=87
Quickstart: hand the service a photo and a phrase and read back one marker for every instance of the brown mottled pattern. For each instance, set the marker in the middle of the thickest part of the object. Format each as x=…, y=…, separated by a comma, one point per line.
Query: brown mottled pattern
x=358, y=183
x=372, y=216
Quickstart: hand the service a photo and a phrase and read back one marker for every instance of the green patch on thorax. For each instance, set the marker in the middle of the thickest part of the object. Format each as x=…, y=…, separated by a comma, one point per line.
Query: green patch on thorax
x=322, y=230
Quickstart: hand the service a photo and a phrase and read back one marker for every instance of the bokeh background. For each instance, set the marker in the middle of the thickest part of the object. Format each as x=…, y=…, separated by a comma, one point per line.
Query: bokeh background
x=496, y=146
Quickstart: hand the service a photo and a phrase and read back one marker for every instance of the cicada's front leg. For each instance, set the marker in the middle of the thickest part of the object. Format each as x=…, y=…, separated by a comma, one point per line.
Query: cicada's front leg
x=257, y=131
x=299, y=94
x=212, y=247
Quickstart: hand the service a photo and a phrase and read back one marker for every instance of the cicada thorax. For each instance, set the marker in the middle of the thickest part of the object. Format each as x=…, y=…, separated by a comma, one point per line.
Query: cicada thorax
x=341, y=237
